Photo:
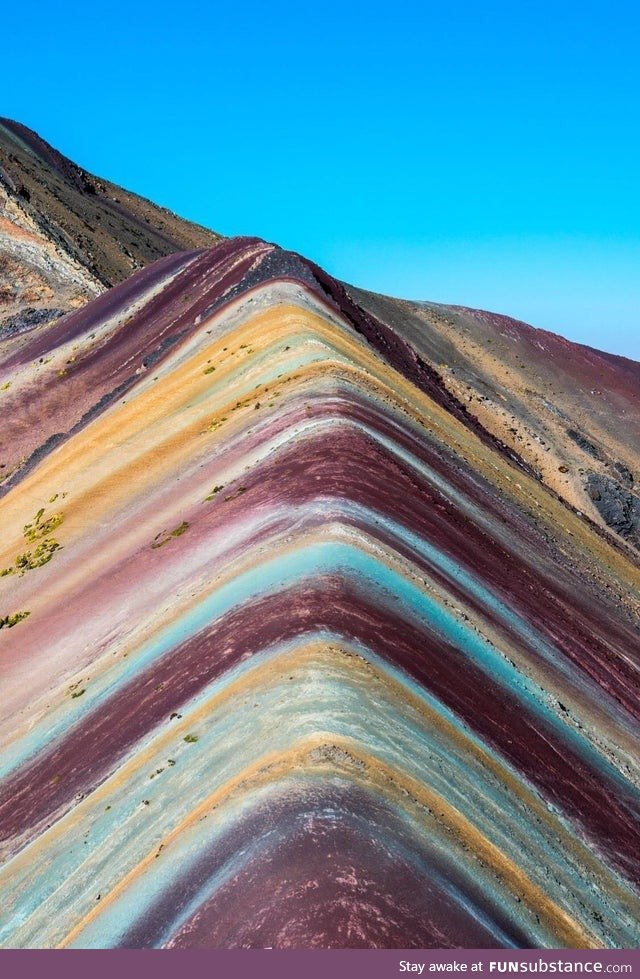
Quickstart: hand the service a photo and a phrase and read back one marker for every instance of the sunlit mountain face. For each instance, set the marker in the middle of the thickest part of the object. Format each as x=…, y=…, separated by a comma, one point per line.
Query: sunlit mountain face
x=316, y=627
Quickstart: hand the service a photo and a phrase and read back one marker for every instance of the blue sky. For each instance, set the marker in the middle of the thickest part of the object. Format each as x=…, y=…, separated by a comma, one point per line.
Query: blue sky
x=486, y=154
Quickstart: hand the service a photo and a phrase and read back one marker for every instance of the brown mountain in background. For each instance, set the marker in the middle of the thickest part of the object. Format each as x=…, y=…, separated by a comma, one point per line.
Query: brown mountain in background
x=66, y=235
x=571, y=412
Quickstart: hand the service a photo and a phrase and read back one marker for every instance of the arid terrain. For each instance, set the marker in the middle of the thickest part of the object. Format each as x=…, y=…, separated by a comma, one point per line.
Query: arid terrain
x=318, y=608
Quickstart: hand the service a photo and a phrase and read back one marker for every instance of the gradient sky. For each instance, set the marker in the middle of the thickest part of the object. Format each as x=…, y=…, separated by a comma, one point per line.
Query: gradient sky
x=486, y=154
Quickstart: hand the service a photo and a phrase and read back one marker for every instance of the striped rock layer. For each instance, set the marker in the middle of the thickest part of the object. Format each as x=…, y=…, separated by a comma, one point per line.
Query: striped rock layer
x=294, y=652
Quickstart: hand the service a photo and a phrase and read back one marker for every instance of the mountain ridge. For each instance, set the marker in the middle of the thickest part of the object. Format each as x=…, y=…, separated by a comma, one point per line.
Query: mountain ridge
x=295, y=652
x=55, y=256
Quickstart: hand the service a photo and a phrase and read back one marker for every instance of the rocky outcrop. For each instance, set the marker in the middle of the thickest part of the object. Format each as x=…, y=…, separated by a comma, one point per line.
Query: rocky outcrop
x=616, y=504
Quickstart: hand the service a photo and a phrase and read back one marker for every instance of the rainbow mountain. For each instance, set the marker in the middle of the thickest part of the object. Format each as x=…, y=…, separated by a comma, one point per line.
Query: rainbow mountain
x=295, y=650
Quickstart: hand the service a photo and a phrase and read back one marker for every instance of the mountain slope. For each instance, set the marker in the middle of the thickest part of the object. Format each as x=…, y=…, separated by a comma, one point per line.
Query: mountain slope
x=66, y=235
x=295, y=651
x=573, y=413
x=570, y=412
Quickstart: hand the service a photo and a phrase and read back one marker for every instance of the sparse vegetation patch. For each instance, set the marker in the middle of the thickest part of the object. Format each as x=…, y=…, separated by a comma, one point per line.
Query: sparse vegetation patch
x=214, y=492
x=38, y=530
x=163, y=537
x=8, y=621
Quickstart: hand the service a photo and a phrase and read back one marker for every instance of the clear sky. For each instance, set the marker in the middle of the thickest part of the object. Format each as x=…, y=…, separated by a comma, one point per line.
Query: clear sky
x=486, y=154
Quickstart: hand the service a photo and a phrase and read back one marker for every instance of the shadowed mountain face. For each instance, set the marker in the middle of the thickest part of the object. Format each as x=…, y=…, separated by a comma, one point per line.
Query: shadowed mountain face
x=66, y=235
x=297, y=648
